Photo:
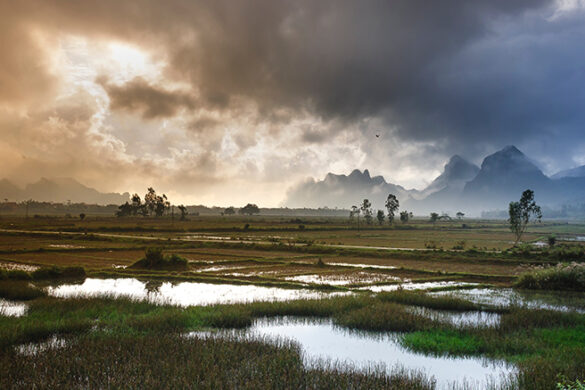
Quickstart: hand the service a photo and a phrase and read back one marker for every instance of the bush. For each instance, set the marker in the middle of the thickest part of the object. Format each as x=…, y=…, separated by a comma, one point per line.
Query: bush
x=155, y=259
x=569, y=277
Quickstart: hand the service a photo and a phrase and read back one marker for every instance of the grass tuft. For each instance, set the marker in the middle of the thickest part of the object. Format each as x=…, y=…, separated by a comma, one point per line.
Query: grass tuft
x=568, y=277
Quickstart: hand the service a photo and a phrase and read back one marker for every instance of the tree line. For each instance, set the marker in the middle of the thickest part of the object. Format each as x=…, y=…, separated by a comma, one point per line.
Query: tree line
x=365, y=208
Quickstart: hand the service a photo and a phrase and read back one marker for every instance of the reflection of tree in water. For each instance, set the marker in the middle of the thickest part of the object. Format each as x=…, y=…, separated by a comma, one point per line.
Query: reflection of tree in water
x=153, y=285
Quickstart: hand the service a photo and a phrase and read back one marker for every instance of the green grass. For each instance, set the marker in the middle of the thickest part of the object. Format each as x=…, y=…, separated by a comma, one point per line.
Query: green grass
x=567, y=277
x=530, y=338
x=383, y=316
x=434, y=302
x=171, y=361
x=442, y=342
x=19, y=290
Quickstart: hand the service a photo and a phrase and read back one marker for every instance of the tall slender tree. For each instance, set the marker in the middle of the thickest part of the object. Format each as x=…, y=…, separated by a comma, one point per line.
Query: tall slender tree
x=392, y=205
x=520, y=214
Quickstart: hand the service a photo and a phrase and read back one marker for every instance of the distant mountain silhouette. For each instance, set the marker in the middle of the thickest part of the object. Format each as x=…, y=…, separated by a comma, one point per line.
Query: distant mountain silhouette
x=344, y=191
x=444, y=193
x=456, y=173
x=503, y=176
x=575, y=172
x=9, y=191
x=59, y=190
x=462, y=186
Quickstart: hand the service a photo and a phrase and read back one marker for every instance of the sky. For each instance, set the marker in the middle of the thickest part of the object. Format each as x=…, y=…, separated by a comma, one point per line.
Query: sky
x=227, y=102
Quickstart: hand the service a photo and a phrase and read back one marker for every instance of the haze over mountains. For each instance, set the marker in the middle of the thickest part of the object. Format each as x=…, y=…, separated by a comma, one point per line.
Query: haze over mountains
x=59, y=190
x=461, y=187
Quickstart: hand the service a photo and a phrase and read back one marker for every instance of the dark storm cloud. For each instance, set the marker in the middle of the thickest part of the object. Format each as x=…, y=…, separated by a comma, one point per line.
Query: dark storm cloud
x=468, y=73
x=340, y=58
x=139, y=96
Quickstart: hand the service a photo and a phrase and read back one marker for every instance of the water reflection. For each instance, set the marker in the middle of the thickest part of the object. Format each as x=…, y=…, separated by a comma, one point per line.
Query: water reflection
x=417, y=286
x=321, y=341
x=469, y=318
x=181, y=294
x=551, y=300
x=12, y=309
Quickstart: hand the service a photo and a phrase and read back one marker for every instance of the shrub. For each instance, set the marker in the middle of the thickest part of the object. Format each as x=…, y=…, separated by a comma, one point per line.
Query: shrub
x=569, y=277
x=155, y=259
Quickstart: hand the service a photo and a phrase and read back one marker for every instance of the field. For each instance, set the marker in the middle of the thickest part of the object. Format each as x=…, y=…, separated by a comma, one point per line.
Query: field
x=370, y=269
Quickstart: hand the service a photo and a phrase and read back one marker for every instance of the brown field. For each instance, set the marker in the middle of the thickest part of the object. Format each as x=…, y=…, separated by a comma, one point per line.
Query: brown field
x=276, y=249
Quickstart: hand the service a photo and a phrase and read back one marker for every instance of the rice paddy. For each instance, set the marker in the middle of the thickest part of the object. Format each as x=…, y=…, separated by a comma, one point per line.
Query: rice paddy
x=69, y=286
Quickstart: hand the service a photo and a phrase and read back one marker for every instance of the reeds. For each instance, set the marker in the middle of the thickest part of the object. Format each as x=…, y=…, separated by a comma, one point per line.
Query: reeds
x=19, y=290
x=568, y=277
x=172, y=361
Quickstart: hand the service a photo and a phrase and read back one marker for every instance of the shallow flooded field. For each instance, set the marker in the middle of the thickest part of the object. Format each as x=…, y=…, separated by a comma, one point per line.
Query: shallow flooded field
x=506, y=297
x=181, y=294
x=323, y=342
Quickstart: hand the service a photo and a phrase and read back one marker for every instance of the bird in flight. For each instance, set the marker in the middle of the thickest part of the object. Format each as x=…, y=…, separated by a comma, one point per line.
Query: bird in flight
x=377, y=135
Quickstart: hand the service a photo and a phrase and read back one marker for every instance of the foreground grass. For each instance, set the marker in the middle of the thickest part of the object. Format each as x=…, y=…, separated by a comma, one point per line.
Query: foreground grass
x=172, y=361
x=19, y=290
x=567, y=277
x=542, y=343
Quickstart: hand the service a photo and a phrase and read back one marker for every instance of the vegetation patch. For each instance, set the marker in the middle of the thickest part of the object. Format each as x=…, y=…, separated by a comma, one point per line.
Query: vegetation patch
x=383, y=316
x=19, y=291
x=172, y=361
x=433, y=302
x=440, y=342
x=568, y=277
x=156, y=260
x=55, y=272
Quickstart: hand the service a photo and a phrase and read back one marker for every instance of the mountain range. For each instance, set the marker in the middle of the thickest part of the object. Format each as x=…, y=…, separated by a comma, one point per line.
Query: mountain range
x=462, y=186
x=59, y=190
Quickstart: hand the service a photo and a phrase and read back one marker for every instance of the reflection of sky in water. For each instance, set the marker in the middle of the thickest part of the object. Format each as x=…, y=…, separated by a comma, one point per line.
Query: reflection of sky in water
x=470, y=318
x=182, y=294
x=12, y=309
x=322, y=341
x=415, y=286
x=341, y=280
x=363, y=265
x=552, y=300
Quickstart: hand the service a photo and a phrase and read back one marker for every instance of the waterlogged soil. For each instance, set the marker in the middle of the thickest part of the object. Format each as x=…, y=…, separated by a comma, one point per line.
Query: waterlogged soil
x=12, y=308
x=468, y=319
x=505, y=297
x=181, y=294
x=324, y=343
x=343, y=279
x=417, y=286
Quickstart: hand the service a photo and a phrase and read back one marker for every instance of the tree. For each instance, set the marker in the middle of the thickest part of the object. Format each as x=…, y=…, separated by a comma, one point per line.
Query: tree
x=124, y=210
x=404, y=216
x=520, y=214
x=137, y=206
x=183, y=211
x=434, y=217
x=460, y=215
x=445, y=217
x=366, y=208
x=380, y=216
x=154, y=203
x=392, y=205
x=250, y=209
x=552, y=240
x=230, y=211
x=355, y=211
